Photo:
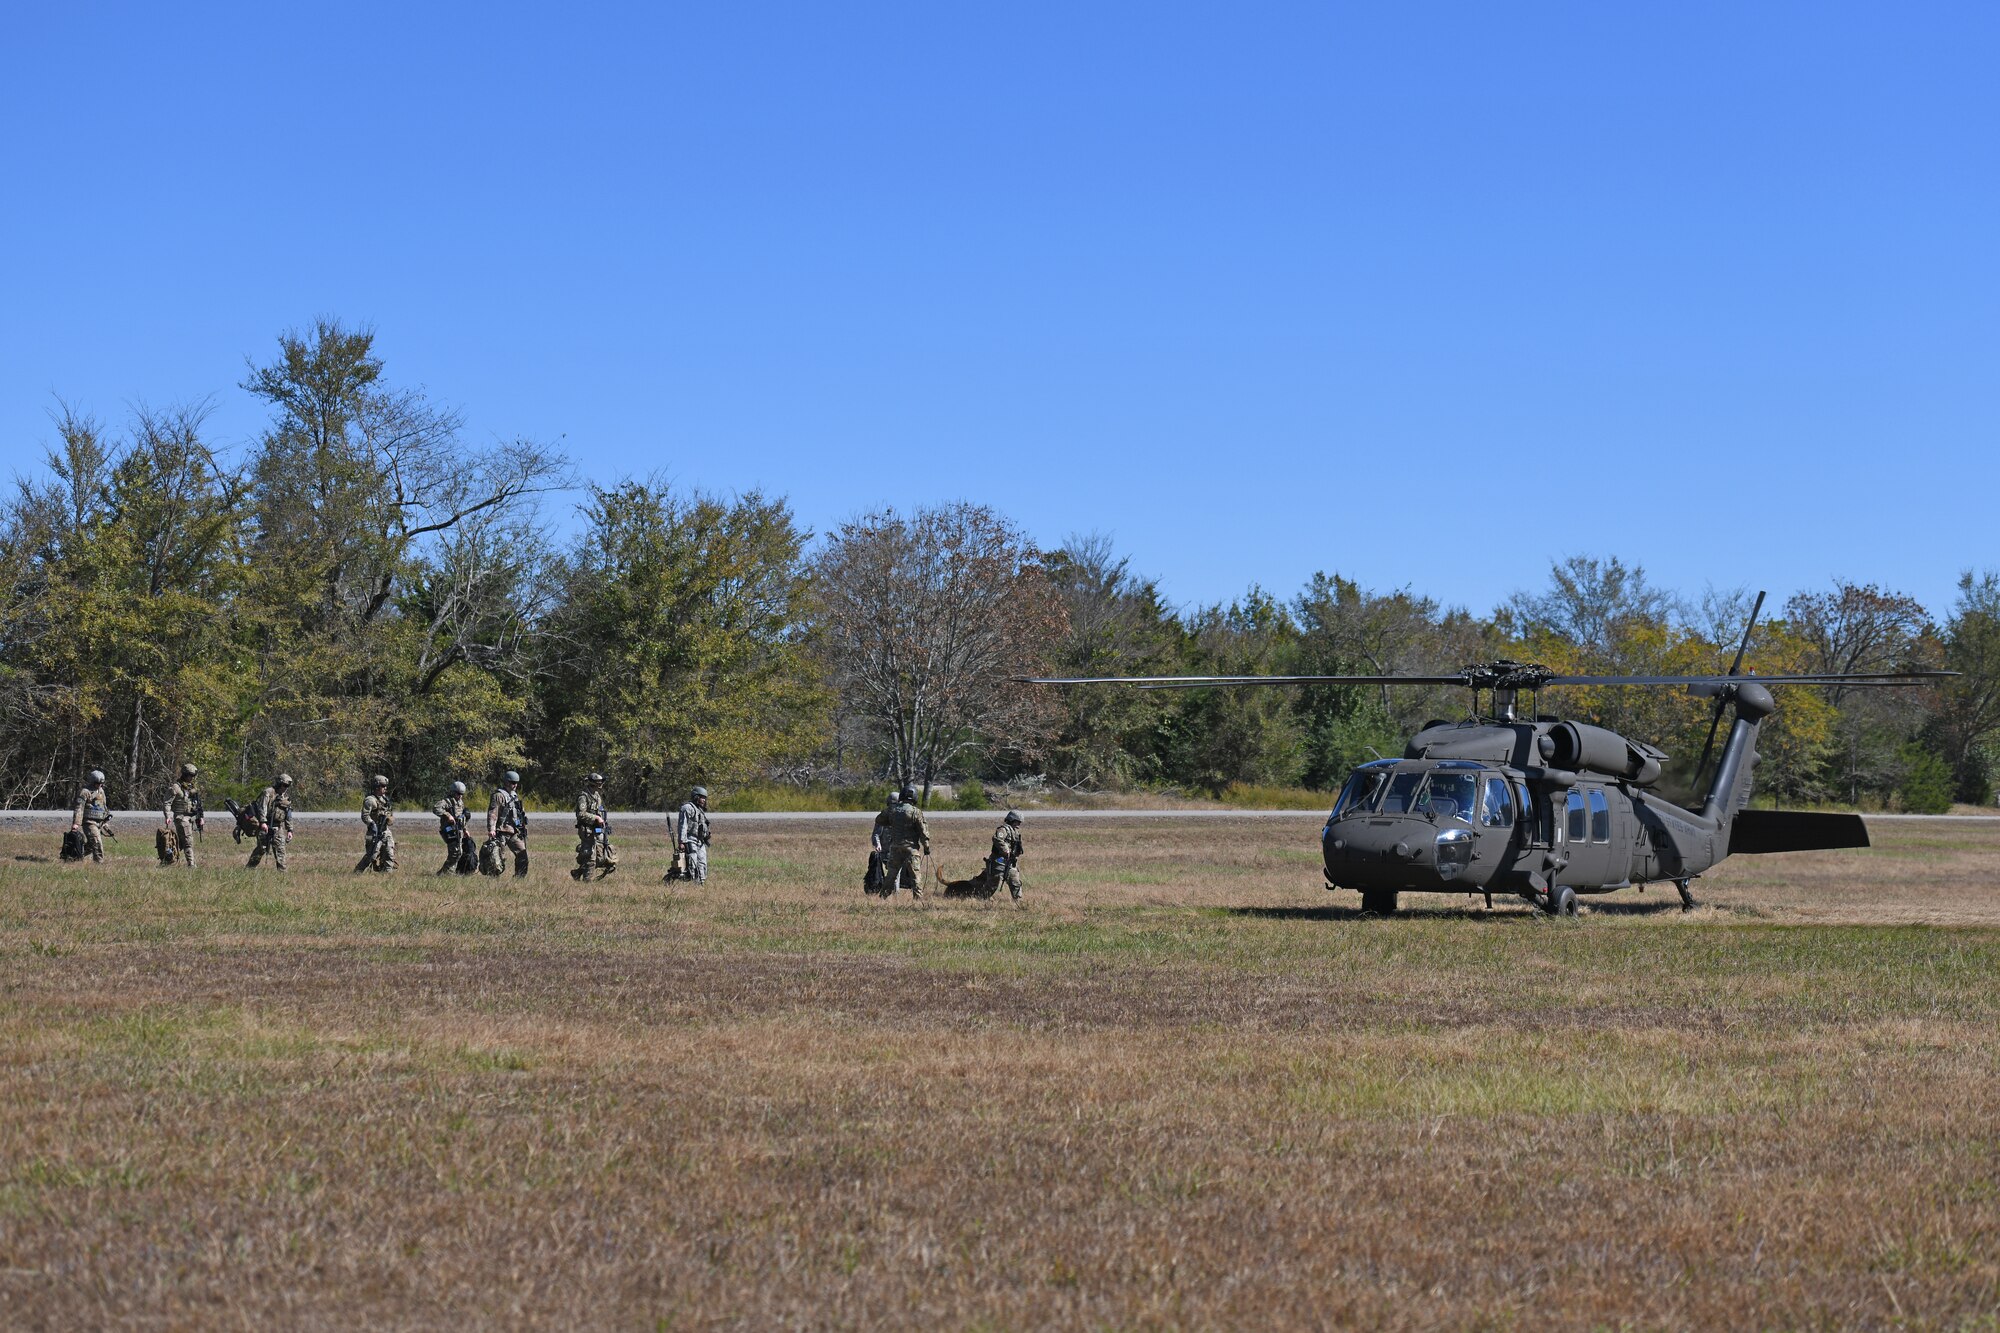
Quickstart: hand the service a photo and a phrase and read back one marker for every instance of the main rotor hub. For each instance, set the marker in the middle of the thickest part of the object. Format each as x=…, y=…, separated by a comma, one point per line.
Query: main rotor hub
x=1508, y=675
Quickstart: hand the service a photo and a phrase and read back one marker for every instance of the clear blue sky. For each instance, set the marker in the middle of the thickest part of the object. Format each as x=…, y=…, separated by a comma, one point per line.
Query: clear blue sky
x=1426, y=294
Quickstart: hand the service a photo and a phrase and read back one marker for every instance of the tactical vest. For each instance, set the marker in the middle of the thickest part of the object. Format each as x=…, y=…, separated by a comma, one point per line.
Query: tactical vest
x=507, y=811
x=908, y=825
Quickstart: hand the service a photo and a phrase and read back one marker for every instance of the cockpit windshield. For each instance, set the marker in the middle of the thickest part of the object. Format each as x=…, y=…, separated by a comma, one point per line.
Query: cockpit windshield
x=1448, y=795
x=1361, y=790
x=1442, y=793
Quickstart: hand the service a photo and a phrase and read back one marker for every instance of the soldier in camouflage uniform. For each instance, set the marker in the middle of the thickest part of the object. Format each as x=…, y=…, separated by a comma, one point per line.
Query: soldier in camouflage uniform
x=876, y=881
x=691, y=838
x=1003, y=866
x=183, y=813
x=593, y=839
x=450, y=814
x=909, y=842
x=377, y=817
x=507, y=821
x=273, y=813
x=93, y=812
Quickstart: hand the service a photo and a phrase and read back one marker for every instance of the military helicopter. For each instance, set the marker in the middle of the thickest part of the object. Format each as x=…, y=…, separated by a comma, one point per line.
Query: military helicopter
x=1544, y=808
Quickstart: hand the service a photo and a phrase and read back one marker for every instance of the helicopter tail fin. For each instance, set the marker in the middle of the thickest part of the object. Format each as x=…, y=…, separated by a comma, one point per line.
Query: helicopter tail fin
x=1735, y=771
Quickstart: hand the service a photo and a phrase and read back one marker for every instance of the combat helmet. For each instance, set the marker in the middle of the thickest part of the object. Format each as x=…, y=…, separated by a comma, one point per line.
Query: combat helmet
x=189, y=771
x=698, y=794
x=1013, y=817
x=379, y=780
x=458, y=789
x=284, y=780
x=97, y=776
x=510, y=776
x=908, y=795
x=593, y=779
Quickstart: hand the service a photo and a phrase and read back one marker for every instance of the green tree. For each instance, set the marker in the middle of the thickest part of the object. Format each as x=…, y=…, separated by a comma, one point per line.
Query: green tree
x=1117, y=624
x=1968, y=707
x=1926, y=784
x=372, y=574
x=1216, y=736
x=678, y=648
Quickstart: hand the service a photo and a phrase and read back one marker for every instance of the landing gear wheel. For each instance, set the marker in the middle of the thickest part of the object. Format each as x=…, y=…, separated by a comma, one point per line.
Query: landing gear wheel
x=1378, y=902
x=1562, y=901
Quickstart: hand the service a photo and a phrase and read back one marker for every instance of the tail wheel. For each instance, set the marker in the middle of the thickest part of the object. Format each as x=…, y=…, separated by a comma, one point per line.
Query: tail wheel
x=1380, y=902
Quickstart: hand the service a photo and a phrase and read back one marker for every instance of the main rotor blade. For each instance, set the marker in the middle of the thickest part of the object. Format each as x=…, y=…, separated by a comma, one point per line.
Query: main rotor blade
x=1859, y=678
x=1191, y=682
x=1864, y=678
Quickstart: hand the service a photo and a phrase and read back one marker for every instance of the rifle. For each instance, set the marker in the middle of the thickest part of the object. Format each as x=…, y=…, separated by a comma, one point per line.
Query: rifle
x=200, y=814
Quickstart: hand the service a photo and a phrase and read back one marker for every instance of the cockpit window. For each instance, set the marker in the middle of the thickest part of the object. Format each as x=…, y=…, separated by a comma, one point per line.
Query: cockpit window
x=1499, y=812
x=1449, y=795
x=1361, y=790
x=1396, y=800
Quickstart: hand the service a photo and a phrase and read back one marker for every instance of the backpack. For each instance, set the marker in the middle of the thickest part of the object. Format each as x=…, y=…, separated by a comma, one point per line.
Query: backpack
x=72, y=849
x=492, y=857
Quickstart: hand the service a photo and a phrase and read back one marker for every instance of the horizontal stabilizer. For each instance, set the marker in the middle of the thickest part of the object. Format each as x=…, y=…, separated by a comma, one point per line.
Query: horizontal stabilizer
x=1756, y=831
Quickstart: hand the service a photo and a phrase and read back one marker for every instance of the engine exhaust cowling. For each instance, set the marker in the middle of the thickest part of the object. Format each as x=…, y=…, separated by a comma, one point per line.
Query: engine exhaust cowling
x=1579, y=745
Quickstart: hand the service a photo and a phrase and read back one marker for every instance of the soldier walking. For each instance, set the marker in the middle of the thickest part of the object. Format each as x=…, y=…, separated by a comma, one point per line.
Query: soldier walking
x=593, y=831
x=273, y=813
x=183, y=815
x=691, y=839
x=379, y=838
x=450, y=813
x=93, y=812
x=876, y=881
x=1003, y=866
x=908, y=839
x=507, y=821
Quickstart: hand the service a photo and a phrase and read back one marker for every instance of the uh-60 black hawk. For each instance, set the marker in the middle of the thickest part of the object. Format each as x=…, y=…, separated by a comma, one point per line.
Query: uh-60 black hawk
x=1546, y=808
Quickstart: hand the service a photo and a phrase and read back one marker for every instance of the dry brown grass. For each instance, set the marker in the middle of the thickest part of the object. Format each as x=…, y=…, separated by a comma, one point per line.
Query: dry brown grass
x=1185, y=1088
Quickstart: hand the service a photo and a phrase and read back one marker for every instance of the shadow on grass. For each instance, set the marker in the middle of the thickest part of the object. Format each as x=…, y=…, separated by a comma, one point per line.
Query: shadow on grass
x=1356, y=914
x=1636, y=907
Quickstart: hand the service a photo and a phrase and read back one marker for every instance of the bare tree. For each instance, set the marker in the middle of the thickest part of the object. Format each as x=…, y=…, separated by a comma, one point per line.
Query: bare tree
x=1861, y=627
x=927, y=617
x=1592, y=604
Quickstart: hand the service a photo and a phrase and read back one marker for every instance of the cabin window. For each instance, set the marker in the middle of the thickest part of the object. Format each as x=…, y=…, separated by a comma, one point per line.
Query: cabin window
x=1579, y=823
x=1499, y=804
x=1600, y=817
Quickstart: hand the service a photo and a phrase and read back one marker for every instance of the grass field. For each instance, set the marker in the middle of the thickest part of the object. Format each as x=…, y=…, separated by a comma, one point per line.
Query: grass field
x=1183, y=1087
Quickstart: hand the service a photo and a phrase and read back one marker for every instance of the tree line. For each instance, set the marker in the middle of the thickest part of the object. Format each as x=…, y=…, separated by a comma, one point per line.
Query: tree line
x=363, y=589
